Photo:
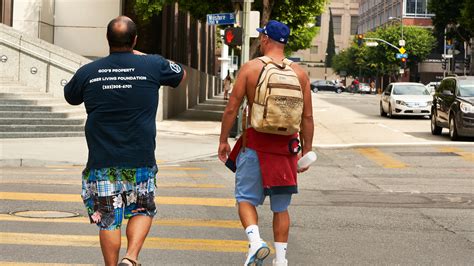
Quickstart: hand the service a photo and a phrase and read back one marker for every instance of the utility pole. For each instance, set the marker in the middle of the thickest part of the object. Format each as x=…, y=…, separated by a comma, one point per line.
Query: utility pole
x=246, y=28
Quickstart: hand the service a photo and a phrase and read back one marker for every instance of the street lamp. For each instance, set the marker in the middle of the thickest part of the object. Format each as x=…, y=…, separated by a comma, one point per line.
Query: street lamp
x=402, y=41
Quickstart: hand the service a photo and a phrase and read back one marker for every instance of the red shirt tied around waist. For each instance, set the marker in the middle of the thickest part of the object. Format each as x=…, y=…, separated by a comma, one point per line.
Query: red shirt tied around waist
x=277, y=156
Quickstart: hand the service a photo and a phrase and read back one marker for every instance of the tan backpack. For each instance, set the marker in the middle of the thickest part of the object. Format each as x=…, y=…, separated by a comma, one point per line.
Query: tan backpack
x=278, y=103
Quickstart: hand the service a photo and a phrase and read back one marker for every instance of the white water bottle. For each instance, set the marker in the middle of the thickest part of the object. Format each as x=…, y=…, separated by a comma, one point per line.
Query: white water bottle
x=307, y=160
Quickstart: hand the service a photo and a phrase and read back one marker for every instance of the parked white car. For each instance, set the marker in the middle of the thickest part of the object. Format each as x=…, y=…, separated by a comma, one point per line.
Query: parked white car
x=406, y=98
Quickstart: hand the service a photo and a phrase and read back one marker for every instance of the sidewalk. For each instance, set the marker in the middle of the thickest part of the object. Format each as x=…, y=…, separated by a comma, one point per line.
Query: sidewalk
x=176, y=141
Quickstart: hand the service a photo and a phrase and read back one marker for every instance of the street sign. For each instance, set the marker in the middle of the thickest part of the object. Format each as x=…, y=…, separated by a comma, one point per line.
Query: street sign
x=402, y=50
x=447, y=55
x=221, y=19
x=401, y=42
x=371, y=44
x=399, y=56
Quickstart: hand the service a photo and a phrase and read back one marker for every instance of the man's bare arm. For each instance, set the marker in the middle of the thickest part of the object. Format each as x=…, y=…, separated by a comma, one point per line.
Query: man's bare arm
x=307, y=123
x=231, y=110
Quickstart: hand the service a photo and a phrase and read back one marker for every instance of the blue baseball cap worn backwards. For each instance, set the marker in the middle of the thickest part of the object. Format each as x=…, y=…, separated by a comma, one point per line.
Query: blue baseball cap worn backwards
x=276, y=30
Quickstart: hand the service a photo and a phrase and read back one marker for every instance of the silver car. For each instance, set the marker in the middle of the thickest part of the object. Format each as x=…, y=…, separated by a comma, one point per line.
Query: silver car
x=406, y=98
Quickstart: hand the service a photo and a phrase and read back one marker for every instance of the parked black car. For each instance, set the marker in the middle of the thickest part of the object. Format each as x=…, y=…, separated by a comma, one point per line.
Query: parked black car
x=453, y=107
x=326, y=85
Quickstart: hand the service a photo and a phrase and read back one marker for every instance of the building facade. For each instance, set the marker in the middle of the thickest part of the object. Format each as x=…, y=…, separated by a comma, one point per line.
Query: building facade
x=376, y=13
x=345, y=15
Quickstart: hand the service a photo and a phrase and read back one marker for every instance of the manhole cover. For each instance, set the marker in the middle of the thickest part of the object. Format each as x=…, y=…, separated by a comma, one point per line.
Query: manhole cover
x=44, y=214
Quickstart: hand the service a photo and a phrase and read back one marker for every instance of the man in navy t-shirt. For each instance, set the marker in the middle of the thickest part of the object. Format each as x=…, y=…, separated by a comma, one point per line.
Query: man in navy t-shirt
x=120, y=94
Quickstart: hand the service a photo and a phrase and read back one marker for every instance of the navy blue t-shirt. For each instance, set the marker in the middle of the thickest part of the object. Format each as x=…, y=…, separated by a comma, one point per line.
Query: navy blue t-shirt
x=120, y=94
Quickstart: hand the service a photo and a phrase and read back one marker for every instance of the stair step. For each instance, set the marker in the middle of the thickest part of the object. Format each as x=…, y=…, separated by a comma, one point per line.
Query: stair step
x=25, y=108
x=20, y=89
x=209, y=107
x=6, y=135
x=40, y=121
x=45, y=115
x=216, y=101
x=27, y=94
x=41, y=128
x=200, y=115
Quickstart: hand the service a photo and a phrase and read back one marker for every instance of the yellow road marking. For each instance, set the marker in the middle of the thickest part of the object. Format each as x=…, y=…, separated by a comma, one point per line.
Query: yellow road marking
x=468, y=156
x=216, y=202
x=214, y=245
x=78, y=182
x=40, y=264
x=160, y=222
x=381, y=158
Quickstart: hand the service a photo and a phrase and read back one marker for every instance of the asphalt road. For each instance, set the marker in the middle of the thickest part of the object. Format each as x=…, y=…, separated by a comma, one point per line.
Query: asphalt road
x=358, y=205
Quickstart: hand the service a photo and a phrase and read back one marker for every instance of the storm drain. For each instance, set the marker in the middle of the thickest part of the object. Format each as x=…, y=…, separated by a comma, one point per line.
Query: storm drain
x=45, y=214
x=427, y=154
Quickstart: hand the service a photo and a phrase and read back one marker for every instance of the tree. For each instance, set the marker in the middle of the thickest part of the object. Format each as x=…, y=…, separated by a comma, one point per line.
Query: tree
x=331, y=48
x=381, y=59
x=299, y=15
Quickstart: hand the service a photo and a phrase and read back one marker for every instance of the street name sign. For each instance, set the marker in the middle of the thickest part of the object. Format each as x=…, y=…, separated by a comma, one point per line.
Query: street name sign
x=399, y=56
x=221, y=19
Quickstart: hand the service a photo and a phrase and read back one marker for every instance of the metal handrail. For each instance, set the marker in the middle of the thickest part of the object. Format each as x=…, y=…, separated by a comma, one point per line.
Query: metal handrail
x=40, y=56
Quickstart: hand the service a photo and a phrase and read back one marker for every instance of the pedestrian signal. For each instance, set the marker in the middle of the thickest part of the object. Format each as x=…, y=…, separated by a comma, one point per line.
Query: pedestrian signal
x=233, y=36
x=360, y=39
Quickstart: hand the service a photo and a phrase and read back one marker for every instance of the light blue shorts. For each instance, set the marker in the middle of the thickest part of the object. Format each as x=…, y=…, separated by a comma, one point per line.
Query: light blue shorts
x=248, y=183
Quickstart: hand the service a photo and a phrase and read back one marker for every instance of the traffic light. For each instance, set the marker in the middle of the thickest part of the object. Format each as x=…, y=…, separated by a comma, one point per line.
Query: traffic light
x=360, y=39
x=403, y=63
x=233, y=36
x=443, y=64
x=467, y=62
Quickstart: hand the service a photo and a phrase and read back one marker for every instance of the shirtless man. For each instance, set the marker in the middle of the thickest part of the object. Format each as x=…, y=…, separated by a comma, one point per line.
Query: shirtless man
x=249, y=191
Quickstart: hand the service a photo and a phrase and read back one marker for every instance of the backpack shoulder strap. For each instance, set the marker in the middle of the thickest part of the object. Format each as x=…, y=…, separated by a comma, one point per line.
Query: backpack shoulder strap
x=287, y=62
x=265, y=59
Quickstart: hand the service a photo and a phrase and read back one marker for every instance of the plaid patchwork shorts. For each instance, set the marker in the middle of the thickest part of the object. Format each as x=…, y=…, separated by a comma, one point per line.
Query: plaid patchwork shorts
x=110, y=194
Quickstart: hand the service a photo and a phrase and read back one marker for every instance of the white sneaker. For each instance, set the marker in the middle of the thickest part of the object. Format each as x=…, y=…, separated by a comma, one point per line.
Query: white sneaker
x=258, y=251
x=280, y=263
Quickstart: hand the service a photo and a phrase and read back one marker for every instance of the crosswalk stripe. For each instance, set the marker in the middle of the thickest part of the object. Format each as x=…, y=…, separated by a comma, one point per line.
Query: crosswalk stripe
x=213, y=245
x=381, y=158
x=76, y=182
x=160, y=167
x=5, y=173
x=160, y=222
x=216, y=202
x=468, y=156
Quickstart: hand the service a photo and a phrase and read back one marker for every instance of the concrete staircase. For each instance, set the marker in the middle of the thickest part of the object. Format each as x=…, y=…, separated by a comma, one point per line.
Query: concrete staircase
x=210, y=110
x=28, y=113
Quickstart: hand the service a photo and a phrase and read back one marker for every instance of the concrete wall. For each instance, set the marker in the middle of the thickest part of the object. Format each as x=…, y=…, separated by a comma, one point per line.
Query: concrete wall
x=77, y=25
x=36, y=63
x=81, y=25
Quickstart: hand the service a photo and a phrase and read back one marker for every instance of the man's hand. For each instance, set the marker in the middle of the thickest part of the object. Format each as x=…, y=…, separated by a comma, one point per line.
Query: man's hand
x=224, y=151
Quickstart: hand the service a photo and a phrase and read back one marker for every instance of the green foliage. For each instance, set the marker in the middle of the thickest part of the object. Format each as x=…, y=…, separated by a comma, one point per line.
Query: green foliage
x=448, y=12
x=467, y=16
x=300, y=16
x=382, y=59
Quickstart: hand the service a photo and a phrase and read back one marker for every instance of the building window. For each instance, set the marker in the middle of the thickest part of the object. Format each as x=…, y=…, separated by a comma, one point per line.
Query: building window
x=313, y=49
x=336, y=22
x=354, y=22
x=411, y=4
x=417, y=8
